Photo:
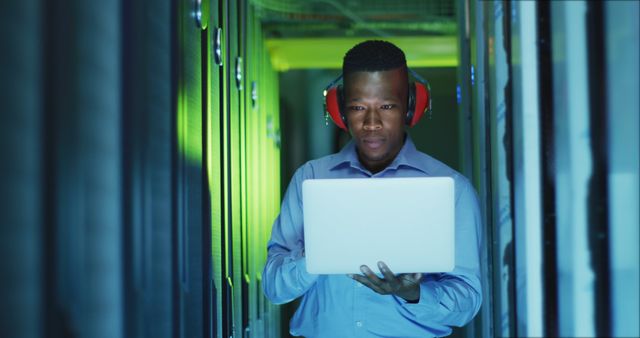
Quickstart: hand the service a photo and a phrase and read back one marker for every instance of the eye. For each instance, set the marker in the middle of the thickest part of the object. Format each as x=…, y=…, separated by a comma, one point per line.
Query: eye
x=356, y=108
x=388, y=106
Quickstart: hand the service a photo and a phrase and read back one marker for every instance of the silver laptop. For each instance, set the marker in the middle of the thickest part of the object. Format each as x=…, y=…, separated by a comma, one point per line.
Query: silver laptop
x=408, y=223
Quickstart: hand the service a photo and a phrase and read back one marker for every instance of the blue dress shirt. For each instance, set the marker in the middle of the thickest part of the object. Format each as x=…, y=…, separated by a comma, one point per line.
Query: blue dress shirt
x=337, y=306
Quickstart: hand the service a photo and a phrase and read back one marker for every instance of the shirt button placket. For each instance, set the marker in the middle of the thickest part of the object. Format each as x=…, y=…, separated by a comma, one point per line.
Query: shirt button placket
x=358, y=315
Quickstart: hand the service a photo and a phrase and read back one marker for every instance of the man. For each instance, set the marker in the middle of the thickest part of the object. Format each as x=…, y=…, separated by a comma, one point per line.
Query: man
x=408, y=305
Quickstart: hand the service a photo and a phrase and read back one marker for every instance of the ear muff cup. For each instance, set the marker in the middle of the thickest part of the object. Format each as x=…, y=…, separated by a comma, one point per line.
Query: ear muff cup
x=419, y=103
x=333, y=101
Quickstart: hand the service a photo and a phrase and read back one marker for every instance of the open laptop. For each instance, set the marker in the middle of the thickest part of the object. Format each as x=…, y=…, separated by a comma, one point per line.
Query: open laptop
x=408, y=223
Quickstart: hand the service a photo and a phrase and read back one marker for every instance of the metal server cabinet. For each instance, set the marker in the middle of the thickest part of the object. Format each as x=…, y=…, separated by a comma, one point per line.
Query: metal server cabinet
x=61, y=155
x=231, y=173
x=240, y=150
x=215, y=178
x=192, y=232
x=148, y=119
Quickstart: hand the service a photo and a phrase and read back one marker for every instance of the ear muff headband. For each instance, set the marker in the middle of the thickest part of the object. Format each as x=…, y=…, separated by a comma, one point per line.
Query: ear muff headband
x=419, y=101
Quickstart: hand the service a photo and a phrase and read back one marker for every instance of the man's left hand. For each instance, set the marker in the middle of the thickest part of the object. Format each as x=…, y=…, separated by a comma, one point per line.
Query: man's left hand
x=406, y=286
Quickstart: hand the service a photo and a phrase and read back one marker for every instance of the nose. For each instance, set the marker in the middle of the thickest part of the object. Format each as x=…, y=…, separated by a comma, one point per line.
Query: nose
x=372, y=120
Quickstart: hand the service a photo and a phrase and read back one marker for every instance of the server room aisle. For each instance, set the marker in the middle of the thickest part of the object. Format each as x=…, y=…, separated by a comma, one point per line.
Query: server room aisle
x=145, y=146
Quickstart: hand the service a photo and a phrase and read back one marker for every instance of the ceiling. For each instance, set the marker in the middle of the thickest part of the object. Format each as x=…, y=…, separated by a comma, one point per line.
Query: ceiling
x=303, y=34
x=352, y=18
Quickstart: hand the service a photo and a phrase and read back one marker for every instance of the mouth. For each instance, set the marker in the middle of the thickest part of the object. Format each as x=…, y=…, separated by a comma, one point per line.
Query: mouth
x=373, y=143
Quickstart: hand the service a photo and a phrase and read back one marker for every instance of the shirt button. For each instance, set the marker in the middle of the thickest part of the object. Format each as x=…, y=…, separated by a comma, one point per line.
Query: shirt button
x=359, y=324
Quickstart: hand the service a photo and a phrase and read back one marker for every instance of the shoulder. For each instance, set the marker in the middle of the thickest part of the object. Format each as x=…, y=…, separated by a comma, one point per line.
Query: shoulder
x=433, y=166
x=436, y=168
x=316, y=168
x=312, y=169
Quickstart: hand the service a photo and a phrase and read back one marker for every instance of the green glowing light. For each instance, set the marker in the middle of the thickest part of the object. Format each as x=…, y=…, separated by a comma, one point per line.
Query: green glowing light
x=189, y=124
x=305, y=53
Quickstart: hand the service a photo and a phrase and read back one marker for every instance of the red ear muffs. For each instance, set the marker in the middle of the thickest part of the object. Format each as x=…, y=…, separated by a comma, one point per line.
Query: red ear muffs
x=419, y=102
x=332, y=106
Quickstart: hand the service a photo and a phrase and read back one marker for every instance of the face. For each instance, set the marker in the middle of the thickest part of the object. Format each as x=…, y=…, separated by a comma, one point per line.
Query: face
x=375, y=106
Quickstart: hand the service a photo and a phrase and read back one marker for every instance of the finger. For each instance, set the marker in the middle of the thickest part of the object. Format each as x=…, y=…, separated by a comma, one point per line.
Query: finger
x=387, y=273
x=371, y=276
x=366, y=282
x=391, y=283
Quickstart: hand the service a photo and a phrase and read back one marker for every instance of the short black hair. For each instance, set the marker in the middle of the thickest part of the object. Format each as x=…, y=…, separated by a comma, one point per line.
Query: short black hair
x=372, y=56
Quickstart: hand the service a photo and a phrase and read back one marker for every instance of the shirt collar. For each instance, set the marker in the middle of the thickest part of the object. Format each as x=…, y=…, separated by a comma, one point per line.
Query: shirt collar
x=408, y=156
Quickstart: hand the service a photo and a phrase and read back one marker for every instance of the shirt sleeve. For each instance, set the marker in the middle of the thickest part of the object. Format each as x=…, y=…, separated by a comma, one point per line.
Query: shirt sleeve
x=285, y=275
x=453, y=299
